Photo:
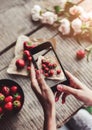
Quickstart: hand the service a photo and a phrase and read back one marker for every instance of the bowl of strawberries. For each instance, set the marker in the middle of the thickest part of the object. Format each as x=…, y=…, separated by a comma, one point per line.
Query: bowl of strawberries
x=11, y=97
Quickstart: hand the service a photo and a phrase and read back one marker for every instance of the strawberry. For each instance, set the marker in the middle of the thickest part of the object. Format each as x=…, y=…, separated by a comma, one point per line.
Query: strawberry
x=8, y=106
x=1, y=110
x=46, y=74
x=14, y=89
x=29, y=60
x=8, y=99
x=54, y=65
x=17, y=96
x=17, y=104
x=27, y=45
x=50, y=65
x=43, y=66
x=26, y=54
x=6, y=90
x=51, y=72
x=58, y=71
x=80, y=54
x=20, y=63
x=46, y=69
x=28, y=68
x=2, y=97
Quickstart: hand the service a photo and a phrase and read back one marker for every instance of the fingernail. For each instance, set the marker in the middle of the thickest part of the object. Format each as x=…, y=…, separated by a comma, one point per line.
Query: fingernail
x=56, y=99
x=59, y=87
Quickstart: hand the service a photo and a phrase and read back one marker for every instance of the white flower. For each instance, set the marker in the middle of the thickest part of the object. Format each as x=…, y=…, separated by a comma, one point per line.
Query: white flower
x=64, y=28
x=76, y=10
x=76, y=26
x=84, y=17
x=61, y=3
x=36, y=9
x=36, y=13
x=48, y=18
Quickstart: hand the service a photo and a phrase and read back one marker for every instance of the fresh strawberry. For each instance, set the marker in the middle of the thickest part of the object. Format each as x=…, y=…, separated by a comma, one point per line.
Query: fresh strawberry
x=26, y=54
x=8, y=106
x=28, y=68
x=51, y=72
x=43, y=66
x=29, y=60
x=2, y=97
x=80, y=54
x=46, y=74
x=58, y=71
x=14, y=89
x=17, y=104
x=8, y=99
x=20, y=63
x=1, y=110
x=46, y=69
x=17, y=96
x=27, y=45
x=50, y=65
x=54, y=65
x=6, y=90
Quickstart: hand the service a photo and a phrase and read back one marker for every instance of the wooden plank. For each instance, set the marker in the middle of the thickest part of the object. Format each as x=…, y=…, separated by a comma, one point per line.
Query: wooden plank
x=45, y=33
x=15, y=18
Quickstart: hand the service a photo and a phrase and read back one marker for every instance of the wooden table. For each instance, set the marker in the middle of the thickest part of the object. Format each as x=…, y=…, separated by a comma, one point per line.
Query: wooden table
x=15, y=19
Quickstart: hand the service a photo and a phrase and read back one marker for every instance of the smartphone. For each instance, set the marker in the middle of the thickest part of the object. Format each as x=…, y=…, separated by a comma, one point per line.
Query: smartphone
x=45, y=58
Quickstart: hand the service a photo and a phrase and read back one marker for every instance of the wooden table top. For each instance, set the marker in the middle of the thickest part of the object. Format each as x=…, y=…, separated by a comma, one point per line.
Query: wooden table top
x=15, y=19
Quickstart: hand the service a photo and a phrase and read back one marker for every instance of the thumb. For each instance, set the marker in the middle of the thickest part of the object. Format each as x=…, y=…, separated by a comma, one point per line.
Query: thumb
x=67, y=89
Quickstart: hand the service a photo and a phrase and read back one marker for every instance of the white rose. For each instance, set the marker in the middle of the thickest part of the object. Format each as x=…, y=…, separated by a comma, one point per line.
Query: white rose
x=76, y=26
x=48, y=18
x=64, y=28
x=36, y=9
x=84, y=17
x=61, y=3
x=36, y=13
x=75, y=10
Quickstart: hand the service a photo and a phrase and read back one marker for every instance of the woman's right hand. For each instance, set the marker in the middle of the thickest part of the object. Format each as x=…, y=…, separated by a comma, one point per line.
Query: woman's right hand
x=77, y=89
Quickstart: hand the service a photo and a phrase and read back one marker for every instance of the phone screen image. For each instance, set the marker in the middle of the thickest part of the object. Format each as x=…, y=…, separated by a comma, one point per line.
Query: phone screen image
x=45, y=59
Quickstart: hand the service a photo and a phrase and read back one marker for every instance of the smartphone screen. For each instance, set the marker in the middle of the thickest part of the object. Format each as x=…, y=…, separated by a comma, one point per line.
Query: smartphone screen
x=45, y=58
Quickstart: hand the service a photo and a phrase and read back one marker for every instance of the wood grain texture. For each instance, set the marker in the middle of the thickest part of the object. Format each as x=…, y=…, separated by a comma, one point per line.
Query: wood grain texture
x=65, y=48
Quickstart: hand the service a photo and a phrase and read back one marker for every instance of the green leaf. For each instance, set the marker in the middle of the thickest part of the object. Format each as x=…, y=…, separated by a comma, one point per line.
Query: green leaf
x=89, y=109
x=57, y=9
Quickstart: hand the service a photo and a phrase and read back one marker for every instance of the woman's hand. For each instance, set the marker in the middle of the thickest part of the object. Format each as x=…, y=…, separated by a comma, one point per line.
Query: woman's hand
x=77, y=89
x=45, y=97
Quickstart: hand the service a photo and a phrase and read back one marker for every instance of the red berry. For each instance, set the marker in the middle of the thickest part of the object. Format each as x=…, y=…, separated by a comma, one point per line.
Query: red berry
x=26, y=54
x=17, y=104
x=20, y=63
x=51, y=72
x=80, y=54
x=1, y=110
x=6, y=90
x=2, y=97
x=46, y=69
x=54, y=65
x=8, y=106
x=43, y=66
x=28, y=68
x=58, y=71
x=14, y=89
x=27, y=45
x=8, y=99
x=17, y=96
x=50, y=65
x=46, y=74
